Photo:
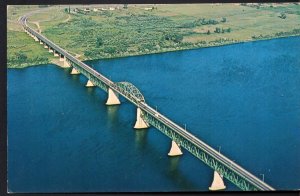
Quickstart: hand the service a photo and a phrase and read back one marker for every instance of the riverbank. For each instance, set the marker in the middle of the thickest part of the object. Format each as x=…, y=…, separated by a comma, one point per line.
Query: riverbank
x=195, y=48
x=113, y=32
x=58, y=63
x=245, y=99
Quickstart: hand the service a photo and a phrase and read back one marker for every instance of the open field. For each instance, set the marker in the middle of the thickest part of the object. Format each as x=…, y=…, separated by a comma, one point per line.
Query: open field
x=144, y=29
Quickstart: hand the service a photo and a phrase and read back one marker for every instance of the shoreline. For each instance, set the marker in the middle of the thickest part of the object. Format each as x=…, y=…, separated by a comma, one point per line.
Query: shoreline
x=54, y=60
x=194, y=48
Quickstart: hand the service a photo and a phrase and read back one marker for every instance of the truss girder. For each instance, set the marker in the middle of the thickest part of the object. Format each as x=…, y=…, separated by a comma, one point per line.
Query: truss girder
x=205, y=157
x=90, y=76
x=130, y=91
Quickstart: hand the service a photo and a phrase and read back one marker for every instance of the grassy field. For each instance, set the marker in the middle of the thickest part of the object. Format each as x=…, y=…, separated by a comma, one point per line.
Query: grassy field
x=137, y=31
x=22, y=50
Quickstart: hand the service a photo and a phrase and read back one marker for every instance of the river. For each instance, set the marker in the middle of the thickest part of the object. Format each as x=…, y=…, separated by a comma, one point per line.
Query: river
x=243, y=99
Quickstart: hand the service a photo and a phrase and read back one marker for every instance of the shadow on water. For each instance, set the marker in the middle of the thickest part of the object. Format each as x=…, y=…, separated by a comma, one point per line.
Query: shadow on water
x=90, y=90
x=171, y=168
x=75, y=77
x=171, y=171
x=112, y=114
x=174, y=161
x=174, y=173
x=67, y=70
x=141, y=138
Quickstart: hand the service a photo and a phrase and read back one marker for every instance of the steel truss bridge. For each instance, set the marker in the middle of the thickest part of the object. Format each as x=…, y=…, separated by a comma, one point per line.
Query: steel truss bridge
x=212, y=158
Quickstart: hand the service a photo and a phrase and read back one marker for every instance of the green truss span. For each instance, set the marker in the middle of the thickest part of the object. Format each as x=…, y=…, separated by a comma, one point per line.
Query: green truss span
x=218, y=162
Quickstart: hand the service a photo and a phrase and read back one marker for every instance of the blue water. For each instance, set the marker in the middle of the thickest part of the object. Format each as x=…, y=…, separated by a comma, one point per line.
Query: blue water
x=242, y=98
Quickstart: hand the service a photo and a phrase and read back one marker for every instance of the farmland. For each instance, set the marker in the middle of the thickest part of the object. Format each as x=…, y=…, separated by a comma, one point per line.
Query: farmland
x=144, y=29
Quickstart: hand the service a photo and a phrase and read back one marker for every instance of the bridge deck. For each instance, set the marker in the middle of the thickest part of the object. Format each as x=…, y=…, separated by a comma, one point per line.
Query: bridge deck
x=231, y=167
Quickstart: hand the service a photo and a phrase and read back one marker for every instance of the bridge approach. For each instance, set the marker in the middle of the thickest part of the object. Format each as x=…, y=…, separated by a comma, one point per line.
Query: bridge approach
x=146, y=116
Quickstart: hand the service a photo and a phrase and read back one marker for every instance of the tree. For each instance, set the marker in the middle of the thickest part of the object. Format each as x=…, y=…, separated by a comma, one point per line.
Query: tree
x=21, y=56
x=282, y=16
x=125, y=6
x=99, y=42
x=87, y=53
x=110, y=50
x=218, y=30
x=208, y=32
x=174, y=37
x=178, y=38
x=223, y=19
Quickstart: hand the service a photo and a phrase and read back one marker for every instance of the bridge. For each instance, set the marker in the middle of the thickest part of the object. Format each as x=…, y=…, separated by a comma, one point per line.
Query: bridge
x=146, y=116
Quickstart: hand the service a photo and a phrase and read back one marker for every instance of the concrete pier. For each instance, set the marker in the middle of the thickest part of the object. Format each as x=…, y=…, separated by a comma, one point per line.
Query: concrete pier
x=140, y=123
x=218, y=183
x=55, y=54
x=89, y=84
x=74, y=71
x=66, y=63
x=41, y=42
x=50, y=50
x=36, y=39
x=146, y=115
x=112, y=98
x=61, y=58
x=175, y=149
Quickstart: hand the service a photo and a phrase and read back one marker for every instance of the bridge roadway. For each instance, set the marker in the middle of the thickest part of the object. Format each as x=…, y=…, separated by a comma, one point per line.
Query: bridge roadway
x=259, y=184
x=200, y=144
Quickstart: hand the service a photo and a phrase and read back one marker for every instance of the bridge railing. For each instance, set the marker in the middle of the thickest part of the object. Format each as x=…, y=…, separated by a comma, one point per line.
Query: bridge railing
x=232, y=171
x=226, y=166
x=65, y=53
